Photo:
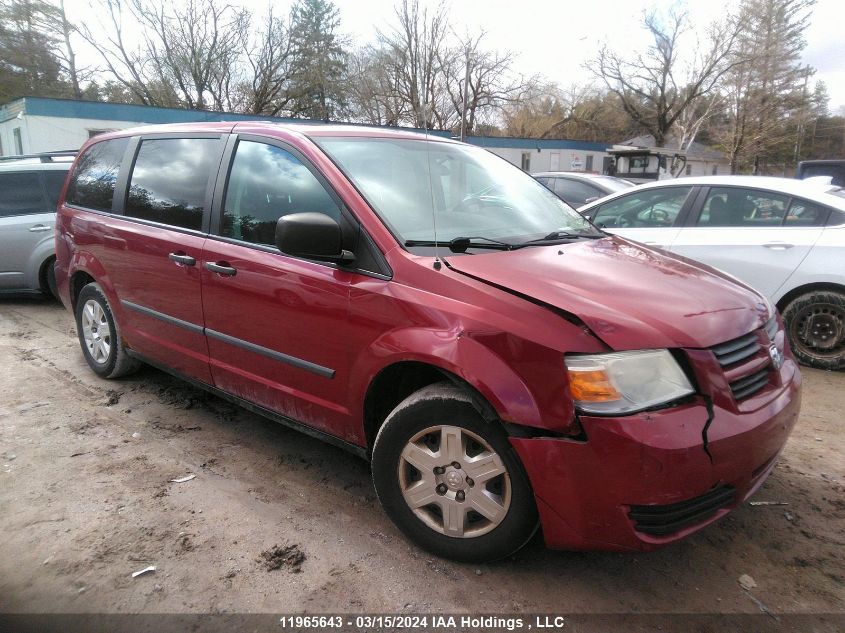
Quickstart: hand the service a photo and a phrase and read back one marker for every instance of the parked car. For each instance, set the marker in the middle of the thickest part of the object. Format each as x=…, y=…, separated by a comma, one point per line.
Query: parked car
x=430, y=307
x=577, y=189
x=835, y=168
x=784, y=237
x=29, y=192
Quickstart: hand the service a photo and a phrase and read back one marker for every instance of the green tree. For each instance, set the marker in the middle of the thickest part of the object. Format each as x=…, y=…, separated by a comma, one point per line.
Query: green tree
x=318, y=61
x=28, y=62
x=766, y=85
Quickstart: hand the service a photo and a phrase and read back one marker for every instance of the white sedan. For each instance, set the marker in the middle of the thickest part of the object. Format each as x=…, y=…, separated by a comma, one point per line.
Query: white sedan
x=784, y=237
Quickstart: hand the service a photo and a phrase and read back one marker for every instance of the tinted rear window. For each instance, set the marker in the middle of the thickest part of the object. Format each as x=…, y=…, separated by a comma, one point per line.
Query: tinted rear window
x=92, y=184
x=575, y=192
x=170, y=179
x=20, y=194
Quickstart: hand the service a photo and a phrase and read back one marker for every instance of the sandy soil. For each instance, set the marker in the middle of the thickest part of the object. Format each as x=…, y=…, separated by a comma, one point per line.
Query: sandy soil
x=86, y=499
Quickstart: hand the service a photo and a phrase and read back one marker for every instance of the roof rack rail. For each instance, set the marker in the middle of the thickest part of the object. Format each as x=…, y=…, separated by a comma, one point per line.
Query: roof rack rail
x=44, y=157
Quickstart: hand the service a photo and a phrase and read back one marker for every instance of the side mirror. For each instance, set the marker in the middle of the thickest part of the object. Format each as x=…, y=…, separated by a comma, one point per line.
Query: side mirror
x=311, y=236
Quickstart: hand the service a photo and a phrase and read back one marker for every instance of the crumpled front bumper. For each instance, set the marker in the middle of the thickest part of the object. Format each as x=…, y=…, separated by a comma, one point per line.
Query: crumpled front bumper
x=585, y=489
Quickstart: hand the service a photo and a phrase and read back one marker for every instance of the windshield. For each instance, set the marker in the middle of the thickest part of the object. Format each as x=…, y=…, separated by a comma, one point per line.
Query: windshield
x=467, y=191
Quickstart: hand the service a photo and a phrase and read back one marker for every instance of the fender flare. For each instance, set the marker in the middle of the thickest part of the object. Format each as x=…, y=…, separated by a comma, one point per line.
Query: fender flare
x=85, y=262
x=457, y=354
x=44, y=250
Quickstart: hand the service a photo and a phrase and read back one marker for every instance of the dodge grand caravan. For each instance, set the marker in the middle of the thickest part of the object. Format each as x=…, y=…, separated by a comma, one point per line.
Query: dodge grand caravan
x=503, y=363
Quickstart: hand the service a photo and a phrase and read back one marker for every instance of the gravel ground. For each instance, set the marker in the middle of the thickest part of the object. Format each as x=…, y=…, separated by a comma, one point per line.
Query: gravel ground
x=277, y=522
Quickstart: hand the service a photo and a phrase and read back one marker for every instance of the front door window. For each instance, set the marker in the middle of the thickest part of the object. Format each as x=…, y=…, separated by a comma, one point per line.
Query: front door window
x=267, y=182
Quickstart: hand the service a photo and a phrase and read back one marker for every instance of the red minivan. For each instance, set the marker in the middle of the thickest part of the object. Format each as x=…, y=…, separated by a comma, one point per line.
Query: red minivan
x=503, y=363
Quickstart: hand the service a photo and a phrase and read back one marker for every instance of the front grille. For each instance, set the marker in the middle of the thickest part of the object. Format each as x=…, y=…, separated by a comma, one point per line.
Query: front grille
x=667, y=519
x=746, y=361
x=737, y=349
x=751, y=384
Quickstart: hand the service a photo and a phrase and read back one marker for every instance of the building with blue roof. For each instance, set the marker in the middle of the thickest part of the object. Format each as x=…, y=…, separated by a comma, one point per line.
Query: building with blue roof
x=32, y=125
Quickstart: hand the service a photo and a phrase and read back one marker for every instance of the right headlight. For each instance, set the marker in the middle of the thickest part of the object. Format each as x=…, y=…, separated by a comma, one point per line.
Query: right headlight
x=625, y=382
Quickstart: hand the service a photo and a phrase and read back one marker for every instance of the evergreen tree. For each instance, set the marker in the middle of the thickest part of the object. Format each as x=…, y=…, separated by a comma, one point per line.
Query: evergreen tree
x=318, y=76
x=767, y=86
x=28, y=63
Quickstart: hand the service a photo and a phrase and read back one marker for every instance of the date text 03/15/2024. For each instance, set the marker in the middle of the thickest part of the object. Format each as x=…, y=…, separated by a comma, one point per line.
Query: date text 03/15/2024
x=426, y=622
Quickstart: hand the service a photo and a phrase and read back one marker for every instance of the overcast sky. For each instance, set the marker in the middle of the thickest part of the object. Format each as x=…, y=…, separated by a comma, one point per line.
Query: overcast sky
x=555, y=38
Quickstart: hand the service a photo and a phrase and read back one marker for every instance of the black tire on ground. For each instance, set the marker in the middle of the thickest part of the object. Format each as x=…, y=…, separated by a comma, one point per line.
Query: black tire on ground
x=815, y=325
x=435, y=407
x=116, y=362
x=50, y=277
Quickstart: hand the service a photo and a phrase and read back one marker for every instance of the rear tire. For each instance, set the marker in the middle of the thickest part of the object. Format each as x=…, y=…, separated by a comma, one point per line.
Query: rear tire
x=815, y=325
x=47, y=278
x=52, y=286
x=451, y=480
x=99, y=335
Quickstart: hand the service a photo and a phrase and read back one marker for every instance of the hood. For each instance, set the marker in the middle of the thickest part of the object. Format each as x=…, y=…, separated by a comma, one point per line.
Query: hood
x=629, y=295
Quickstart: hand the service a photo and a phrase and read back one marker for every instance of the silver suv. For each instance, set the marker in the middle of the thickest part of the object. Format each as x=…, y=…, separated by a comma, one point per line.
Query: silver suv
x=29, y=192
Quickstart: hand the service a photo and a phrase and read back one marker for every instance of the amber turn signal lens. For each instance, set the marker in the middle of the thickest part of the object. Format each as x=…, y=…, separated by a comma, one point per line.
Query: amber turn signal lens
x=592, y=386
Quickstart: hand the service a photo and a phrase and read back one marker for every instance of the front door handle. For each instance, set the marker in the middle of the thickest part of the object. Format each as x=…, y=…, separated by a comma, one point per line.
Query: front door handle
x=221, y=268
x=40, y=228
x=778, y=246
x=181, y=258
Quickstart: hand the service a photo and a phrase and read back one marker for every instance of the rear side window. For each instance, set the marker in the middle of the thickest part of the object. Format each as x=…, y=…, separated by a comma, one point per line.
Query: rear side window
x=54, y=181
x=837, y=217
x=576, y=193
x=170, y=179
x=20, y=194
x=803, y=213
x=732, y=206
x=267, y=182
x=92, y=184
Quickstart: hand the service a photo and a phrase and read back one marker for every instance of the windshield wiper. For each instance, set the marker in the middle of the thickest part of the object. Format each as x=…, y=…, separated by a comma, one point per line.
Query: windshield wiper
x=461, y=244
x=556, y=236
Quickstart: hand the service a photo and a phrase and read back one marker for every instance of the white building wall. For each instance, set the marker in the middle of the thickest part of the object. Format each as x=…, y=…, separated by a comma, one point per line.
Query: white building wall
x=50, y=134
x=705, y=167
x=550, y=159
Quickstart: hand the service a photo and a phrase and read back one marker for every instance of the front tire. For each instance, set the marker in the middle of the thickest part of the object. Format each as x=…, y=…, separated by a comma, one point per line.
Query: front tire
x=99, y=335
x=815, y=325
x=450, y=480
